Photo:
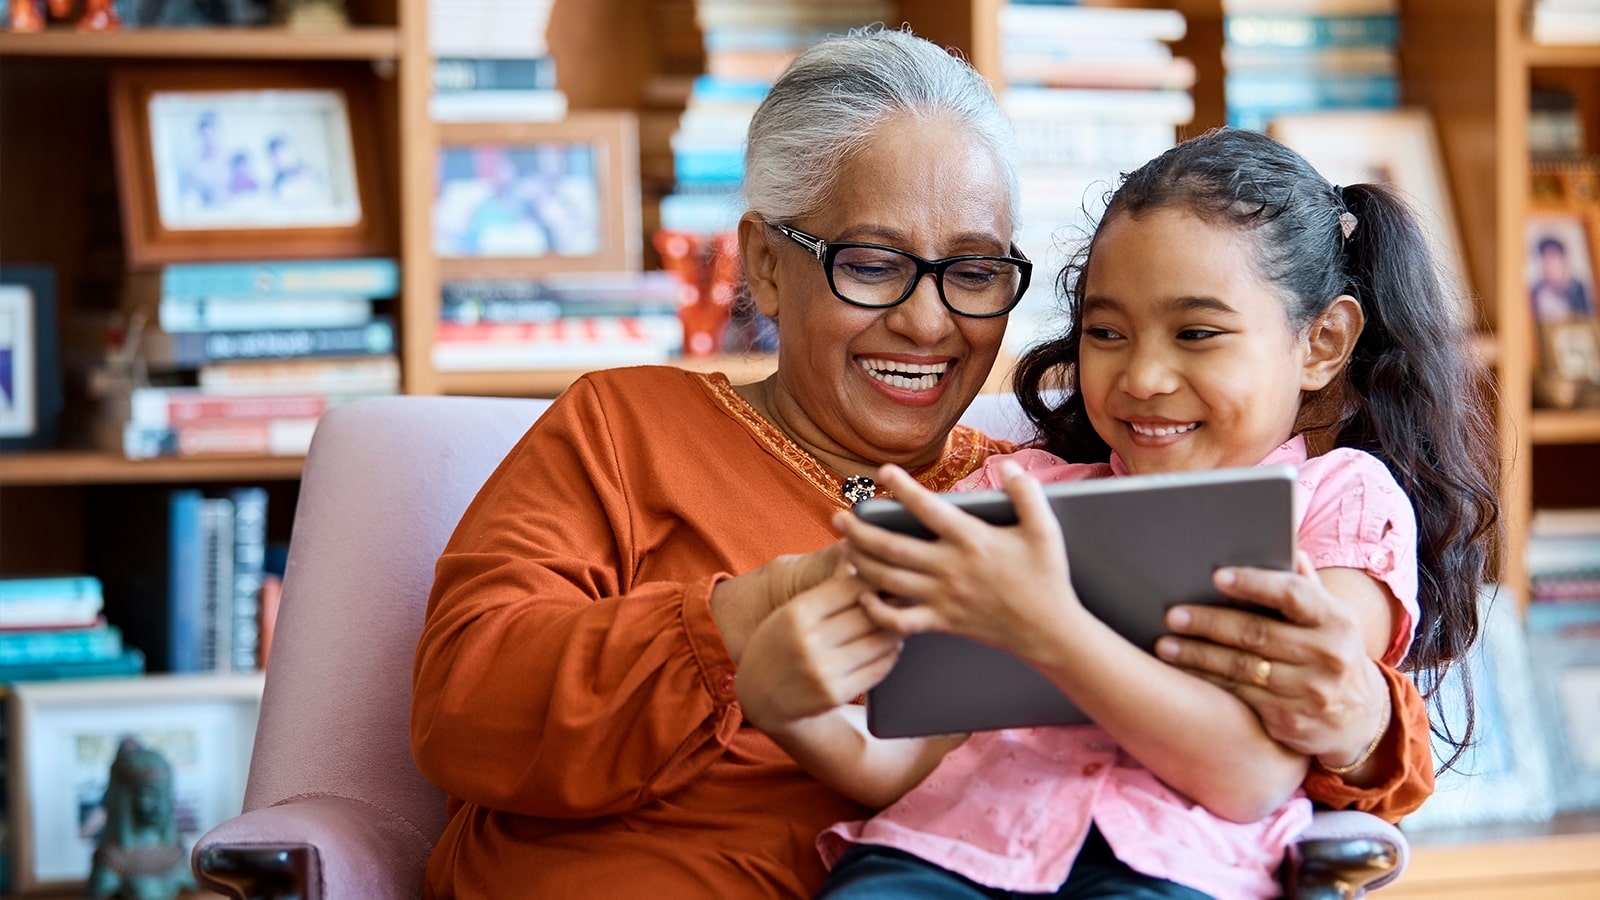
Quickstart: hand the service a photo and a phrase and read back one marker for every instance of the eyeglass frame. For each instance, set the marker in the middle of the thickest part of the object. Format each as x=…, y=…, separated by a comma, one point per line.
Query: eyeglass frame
x=825, y=251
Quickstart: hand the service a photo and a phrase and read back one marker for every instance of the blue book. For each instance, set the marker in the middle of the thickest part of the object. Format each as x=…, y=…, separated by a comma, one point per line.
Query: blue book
x=710, y=87
x=127, y=664
x=1288, y=30
x=372, y=277
x=1283, y=91
x=249, y=561
x=185, y=580
x=528, y=73
x=60, y=645
x=708, y=167
x=50, y=601
x=188, y=350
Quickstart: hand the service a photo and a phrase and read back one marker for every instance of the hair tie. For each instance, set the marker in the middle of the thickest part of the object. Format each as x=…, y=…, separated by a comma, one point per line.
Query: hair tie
x=1347, y=219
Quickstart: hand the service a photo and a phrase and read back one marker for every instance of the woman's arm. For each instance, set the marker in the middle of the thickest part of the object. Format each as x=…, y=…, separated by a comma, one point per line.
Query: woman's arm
x=1010, y=587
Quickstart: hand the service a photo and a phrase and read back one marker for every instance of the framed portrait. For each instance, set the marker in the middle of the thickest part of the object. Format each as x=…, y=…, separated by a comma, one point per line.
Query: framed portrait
x=246, y=162
x=530, y=198
x=63, y=735
x=1398, y=147
x=1504, y=775
x=30, y=372
x=1565, y=639
x=1560, y=272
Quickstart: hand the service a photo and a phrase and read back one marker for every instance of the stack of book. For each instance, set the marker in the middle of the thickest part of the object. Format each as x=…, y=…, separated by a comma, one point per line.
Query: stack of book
x=1093, y=92
x=243, y=358
x=747, y=46
x=183, y=576
x=1564, y=556
x=561, y=321
x=1292, y=56
x=1564, y=22
x=492, y=62
x=53, y=627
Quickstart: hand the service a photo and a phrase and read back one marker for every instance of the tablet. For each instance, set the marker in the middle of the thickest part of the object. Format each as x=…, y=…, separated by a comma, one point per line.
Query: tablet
x=1137, y=545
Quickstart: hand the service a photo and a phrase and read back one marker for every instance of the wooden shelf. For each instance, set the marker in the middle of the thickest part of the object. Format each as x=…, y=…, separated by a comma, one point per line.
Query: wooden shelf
x=1541, y=56
x=70, y=467
x=1551, y=426
x=550, y=382
x=363, y=42
x=1555, y=859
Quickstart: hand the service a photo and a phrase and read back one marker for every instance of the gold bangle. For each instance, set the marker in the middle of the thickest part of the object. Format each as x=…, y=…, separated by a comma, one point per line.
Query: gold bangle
x=1383, y=729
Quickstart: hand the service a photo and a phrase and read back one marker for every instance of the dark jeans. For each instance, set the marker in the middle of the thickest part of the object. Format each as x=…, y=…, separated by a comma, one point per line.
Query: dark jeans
x=869, y=872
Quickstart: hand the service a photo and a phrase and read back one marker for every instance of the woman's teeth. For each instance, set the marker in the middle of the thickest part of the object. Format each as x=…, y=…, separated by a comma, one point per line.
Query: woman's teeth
x=1162, y=430
x=906, y=376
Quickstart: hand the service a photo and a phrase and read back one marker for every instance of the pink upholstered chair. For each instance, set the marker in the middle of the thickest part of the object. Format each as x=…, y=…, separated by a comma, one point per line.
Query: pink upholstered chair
x=335, y=806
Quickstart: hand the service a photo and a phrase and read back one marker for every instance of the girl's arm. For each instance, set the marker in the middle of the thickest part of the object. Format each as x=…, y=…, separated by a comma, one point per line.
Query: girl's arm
x=1010, y=587
x=839, y=751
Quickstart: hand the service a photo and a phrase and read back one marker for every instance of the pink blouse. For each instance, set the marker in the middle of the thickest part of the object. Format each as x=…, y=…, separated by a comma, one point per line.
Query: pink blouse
x=1010, y=809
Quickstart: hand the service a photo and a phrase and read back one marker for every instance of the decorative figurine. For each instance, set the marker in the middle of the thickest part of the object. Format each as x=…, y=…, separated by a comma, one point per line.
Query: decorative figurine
x=139, y=856
x=97, y=15
x=708, y=269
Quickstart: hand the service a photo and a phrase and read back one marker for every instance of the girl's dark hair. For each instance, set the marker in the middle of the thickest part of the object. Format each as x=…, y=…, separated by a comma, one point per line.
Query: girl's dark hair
x=1412, y=394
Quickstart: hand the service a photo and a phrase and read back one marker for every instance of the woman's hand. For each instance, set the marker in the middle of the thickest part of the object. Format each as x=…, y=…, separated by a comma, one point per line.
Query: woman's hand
x=741, y=603
x=815, y=652
x=1004, y=586
x=1311, y=677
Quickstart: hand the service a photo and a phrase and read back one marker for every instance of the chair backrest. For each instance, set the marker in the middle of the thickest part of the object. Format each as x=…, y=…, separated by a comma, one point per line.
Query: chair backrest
x=385, y=481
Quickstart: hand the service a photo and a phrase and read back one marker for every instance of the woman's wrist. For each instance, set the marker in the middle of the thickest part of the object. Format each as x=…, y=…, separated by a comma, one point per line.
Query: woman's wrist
x=1344, y=764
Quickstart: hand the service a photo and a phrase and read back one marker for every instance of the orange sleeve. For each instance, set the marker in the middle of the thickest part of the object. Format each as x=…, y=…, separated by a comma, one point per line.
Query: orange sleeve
x=569, y=666
x=1408, y=746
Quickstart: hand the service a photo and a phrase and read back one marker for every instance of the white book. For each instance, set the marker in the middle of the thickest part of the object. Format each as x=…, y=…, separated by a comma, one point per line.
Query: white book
x=190, y=314
x=1093, y=22
x=488, y=28
x=1312, y=7
x=1564, y=27
x=541, y=105
x=1170, y=106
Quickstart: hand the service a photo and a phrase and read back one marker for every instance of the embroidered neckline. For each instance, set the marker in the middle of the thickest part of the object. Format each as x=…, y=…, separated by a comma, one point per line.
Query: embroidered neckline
x=963, y=451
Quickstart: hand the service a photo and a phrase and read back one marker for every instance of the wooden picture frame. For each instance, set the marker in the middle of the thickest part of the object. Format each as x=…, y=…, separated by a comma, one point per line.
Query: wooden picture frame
x=523, y=199
x=247, y=162
x=1563, y=290
x=30, y=370
x=1504, y=776
x=1399, y=147
x=62, y=736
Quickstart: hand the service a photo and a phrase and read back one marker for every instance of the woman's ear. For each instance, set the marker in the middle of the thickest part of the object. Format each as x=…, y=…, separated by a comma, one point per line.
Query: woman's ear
x=760, y=264
x=1330, y=341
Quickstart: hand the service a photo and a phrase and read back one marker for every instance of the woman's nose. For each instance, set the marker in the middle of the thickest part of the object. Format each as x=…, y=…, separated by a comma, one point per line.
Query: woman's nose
x=921, y=317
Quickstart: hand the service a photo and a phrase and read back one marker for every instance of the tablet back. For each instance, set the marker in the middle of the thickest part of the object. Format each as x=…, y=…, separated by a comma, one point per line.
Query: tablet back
x=1136, y=546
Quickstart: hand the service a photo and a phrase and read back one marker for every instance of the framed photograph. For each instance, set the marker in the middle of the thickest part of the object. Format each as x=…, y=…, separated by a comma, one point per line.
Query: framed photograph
x=1505, y=775
x=1398, y=147
x=30, y=371
x=526, y=199
x=61, y=738
x=246, y=162
x=1560, y=271
x=1565, y=639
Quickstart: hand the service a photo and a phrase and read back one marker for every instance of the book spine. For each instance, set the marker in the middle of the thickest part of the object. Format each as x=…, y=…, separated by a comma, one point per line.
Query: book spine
x=193, y=350
x=99, y=643
x=1284, y=92
x=1267, y=30
x=360, y=277
x=1085, y=23
x=452, y=74
x=216, y=623
x=166, y=407
x=225, y=437
x=186, y=314
x=249, y=560
x=348, y=375
x=186, y=580
x=129, y=663
x=467, y=311
x=50, y=587
x=498, y=106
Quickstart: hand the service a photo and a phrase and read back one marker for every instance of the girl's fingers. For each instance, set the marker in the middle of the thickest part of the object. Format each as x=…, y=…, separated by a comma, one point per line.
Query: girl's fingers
x=937, y=514
x=897, y=618
x=1034, y=514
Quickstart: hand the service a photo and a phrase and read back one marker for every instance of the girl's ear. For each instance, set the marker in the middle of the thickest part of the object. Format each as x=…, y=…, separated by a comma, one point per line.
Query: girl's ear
x=1330, y=341
x=760, y=264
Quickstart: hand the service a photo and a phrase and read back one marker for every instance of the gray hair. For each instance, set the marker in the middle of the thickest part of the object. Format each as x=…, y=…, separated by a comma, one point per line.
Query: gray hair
x=834, y=97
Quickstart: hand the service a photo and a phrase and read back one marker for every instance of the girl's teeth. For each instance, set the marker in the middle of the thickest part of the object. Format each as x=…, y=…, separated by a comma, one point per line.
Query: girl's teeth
x=1164, y=430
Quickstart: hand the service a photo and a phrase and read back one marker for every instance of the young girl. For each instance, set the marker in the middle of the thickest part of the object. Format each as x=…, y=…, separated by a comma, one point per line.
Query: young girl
x=1232, y=309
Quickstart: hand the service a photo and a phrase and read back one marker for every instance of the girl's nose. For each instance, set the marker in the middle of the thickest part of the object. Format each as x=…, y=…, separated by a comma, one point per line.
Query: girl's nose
x=1148, y=374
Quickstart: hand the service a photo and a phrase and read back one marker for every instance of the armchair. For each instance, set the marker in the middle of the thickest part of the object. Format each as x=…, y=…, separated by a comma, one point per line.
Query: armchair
x=334, y=806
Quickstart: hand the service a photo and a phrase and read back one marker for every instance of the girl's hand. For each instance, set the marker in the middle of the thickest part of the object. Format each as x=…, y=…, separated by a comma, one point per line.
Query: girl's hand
x=815, y=652
x=740, y=604
x=1000, y=585
x=1311, y=678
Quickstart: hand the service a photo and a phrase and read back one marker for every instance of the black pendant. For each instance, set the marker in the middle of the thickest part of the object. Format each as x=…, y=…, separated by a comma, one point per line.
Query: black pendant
x=857, y=488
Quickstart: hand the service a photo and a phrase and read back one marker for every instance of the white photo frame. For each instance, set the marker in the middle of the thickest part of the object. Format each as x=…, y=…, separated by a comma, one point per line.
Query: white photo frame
x=62, y=736
x=1504, y=776
x=19, y=413
x=1398, y=147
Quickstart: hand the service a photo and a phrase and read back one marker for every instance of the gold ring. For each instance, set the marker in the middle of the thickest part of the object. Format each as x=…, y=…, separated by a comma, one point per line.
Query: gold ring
x=1262, y=672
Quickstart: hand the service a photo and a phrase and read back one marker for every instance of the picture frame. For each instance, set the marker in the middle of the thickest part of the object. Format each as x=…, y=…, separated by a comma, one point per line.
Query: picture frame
x=523, y=199
x=1399, y=147
x=61, y=738
x=1504, y=776
x=1563, y=285
x=247, y=162
x=1565, y=639
x=30, y=371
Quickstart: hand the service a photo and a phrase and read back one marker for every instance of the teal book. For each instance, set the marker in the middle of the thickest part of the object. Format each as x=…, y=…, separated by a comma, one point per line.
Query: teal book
x=60, y=645
x=61, y=601
x=1310, y=32
x=371, y=277
x=127, y=664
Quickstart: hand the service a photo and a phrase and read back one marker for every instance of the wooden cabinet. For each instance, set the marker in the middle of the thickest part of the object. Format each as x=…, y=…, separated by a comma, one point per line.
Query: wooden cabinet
x=1467, y=62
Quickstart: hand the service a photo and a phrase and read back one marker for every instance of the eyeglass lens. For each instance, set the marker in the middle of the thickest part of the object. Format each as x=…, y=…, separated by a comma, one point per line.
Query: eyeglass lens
x=873, y=276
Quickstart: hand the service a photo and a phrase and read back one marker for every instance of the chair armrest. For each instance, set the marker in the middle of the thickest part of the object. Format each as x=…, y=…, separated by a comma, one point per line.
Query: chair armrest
x=1344, y=854
x=313, y=848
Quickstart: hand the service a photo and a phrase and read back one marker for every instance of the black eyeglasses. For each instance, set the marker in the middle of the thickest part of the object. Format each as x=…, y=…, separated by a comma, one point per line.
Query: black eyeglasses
x=876, y=276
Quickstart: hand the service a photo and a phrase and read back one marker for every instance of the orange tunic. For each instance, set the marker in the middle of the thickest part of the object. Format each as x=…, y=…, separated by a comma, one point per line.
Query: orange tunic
x=573, y=696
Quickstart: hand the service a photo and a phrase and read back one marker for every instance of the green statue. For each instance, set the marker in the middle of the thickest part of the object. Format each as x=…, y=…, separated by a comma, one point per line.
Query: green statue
x=139, y=856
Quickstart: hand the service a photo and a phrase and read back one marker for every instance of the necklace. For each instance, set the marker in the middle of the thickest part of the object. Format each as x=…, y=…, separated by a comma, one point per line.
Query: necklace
x=857, y=488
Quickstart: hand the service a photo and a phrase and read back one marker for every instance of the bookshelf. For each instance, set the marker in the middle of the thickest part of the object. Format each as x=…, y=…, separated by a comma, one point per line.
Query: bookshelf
x=1468, y=63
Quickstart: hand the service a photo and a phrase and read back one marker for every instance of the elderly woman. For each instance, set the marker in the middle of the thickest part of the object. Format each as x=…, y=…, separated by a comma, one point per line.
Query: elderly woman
x=575, y=680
